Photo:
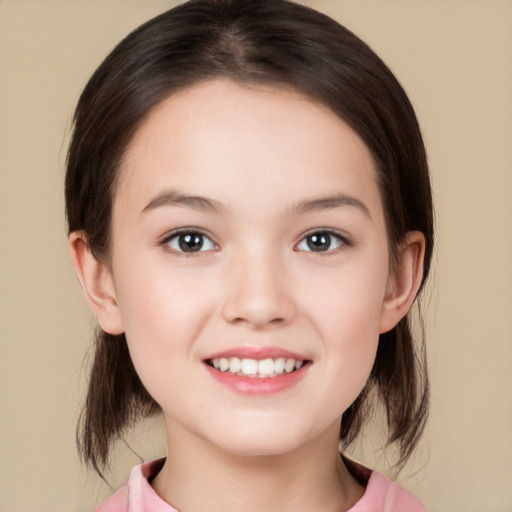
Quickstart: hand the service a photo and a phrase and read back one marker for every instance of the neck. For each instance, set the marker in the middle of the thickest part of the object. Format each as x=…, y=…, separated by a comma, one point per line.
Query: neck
x=198, y=477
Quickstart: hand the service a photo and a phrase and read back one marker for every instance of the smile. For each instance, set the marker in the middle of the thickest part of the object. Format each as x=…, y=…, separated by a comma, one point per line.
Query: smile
x=261, y=368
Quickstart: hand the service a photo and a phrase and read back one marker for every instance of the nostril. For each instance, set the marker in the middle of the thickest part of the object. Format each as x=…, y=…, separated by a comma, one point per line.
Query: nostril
x=257, y=298
x=257, y=321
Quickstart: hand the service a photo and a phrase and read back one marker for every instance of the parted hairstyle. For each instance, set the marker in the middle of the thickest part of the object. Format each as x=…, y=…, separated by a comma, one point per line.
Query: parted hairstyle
x=257, y=42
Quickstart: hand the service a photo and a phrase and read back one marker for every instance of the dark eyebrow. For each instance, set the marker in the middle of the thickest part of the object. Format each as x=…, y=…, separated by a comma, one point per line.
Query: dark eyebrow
x=176, y=198
x=335, y=201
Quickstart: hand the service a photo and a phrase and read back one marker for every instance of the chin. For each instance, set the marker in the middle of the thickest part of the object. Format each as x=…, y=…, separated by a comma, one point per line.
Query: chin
x=259, y=449
x=259, y=440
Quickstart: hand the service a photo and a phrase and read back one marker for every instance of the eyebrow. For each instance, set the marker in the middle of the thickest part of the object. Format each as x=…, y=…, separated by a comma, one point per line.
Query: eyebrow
x=203, y=204
x=176, y=198
x=328, y=202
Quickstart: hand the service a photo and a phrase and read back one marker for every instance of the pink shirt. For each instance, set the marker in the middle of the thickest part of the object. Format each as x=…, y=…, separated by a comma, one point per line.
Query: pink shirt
x=381, y=495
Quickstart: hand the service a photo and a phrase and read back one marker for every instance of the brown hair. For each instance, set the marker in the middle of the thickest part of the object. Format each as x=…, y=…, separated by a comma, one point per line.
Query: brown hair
x=260, y=42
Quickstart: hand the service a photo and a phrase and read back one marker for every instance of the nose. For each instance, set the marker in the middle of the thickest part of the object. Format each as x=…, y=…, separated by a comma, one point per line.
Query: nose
x=258, y=293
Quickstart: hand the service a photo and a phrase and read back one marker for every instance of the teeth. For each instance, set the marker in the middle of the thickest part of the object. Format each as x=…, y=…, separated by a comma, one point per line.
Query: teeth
x=256, y=368
x=249, y=367
x=235, y=365
x=289, y=366
x=266, y=367
x=279, y=365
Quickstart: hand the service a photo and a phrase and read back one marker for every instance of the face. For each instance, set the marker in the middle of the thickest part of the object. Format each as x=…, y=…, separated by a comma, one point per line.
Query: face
x=249, y=265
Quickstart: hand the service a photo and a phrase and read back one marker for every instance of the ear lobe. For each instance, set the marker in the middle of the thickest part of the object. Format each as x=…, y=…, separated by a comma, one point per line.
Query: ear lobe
x=404, y=281
x=97, y=284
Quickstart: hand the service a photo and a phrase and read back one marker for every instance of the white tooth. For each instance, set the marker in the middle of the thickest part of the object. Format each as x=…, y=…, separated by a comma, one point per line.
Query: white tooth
x=289, y=365
x=235, y=364
x=279, y=365
x=249, y=366
x=298, y=364
x=266, y=367
x=215, y=363
x=223, y=364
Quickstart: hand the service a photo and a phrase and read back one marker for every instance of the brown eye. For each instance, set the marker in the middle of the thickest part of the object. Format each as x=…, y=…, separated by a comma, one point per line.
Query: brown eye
x=320, y=241
x=190, y=241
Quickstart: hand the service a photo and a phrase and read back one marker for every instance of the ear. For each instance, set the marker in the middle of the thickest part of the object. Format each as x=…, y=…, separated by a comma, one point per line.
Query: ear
x=97, y=284
x=404, y=281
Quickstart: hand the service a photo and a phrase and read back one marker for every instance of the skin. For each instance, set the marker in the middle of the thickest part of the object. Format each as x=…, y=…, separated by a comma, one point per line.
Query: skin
x=263, y=158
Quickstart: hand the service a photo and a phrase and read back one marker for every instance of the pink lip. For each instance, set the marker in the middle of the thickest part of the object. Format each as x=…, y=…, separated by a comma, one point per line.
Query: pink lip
x=256, y=385
x=257, y=353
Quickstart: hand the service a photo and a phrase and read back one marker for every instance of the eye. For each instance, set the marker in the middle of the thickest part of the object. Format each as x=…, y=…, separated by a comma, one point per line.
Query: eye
x=321, y=241
x=189, y=242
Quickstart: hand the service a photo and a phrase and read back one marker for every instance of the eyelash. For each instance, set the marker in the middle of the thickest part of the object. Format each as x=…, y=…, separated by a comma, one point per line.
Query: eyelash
x=183, y=232
x=342, y=241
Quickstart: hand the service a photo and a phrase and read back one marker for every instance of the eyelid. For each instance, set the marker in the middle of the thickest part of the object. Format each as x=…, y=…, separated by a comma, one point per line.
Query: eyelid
x=164, y=241
x=342, y=237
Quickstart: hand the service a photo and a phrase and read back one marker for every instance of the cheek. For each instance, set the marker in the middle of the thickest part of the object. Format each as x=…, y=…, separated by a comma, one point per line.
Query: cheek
x=162, y=315
x=346, y=309
x=349, y=302
x=351, y=337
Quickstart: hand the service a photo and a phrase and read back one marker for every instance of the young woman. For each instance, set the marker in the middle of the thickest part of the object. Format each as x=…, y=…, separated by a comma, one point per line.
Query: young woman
x=250, y=219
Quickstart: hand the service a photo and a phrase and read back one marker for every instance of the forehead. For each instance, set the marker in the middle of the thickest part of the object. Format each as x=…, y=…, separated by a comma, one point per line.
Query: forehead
x=223, y=139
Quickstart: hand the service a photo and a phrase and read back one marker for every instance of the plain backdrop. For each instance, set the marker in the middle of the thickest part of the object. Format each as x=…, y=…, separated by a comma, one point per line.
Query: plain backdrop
x=455, y=60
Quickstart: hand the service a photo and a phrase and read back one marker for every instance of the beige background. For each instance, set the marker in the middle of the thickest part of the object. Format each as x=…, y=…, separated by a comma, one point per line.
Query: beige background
x=455, y=60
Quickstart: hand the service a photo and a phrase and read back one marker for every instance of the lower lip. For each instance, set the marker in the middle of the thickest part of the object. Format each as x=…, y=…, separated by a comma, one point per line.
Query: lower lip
x=256, y=385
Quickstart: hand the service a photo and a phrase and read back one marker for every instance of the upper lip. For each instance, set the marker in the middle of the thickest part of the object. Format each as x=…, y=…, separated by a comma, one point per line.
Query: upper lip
x=257, y=353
